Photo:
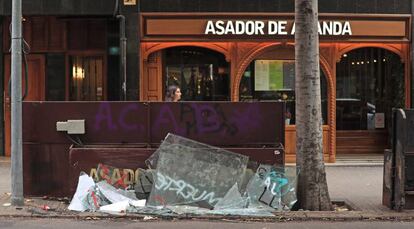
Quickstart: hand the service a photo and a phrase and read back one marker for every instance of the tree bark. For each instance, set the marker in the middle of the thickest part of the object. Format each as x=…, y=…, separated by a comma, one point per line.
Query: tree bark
x=312, y=185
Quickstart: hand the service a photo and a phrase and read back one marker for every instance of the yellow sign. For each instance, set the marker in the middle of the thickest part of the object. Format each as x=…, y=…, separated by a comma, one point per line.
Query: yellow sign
x=130, y=2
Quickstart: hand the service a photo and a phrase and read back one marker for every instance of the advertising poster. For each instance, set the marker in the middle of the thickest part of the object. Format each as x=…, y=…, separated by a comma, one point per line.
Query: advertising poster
x=275, y=75
x=261, y=71
x=268, y=75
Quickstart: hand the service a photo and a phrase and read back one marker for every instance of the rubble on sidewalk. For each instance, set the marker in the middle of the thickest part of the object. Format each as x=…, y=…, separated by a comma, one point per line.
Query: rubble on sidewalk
x=186, y=177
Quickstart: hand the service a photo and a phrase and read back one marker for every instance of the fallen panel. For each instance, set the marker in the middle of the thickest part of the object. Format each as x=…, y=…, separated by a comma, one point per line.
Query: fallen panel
x=195, y=174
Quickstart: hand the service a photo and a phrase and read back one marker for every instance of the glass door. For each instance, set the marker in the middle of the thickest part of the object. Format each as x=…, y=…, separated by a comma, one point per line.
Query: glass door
x=86, y=78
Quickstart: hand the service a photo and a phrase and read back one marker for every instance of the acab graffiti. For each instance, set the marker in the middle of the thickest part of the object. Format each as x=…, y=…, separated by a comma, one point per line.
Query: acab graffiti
x=106, y=119
x=194, y=119
x=186, y=119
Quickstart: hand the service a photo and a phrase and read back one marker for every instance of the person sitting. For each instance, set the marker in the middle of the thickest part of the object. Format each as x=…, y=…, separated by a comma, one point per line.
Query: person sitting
x=173, y=94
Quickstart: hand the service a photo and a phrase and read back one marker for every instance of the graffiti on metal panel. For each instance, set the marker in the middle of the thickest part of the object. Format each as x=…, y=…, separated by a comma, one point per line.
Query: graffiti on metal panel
x=114, y=176
x=207, y=118
x=190, y=119
x=129, y=176
x=275, y=185
x=275, y=182
x=107, y=119
x=247, y=119
x=166, y=117
x=183, y=189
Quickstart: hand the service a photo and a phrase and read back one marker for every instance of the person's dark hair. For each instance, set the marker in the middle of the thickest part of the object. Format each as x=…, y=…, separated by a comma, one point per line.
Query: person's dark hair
x=169, y=95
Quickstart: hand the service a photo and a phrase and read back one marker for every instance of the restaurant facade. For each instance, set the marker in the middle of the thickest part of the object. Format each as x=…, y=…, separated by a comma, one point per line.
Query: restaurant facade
x=221, y=50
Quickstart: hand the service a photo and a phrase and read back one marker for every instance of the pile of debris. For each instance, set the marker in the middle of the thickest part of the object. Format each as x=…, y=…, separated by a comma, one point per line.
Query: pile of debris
x=188, y=177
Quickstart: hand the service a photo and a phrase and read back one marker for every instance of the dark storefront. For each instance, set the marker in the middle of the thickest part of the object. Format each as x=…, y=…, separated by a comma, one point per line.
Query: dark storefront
x=75, y=56
x=363, y=74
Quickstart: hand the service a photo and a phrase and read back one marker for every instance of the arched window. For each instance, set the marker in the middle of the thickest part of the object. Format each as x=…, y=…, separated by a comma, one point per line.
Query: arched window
x=369, y=83
x=202, y=74
x=275, y=80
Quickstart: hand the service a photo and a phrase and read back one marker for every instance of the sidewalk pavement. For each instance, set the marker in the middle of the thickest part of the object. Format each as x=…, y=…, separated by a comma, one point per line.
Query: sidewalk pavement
x=4, y=175
x=357, y=183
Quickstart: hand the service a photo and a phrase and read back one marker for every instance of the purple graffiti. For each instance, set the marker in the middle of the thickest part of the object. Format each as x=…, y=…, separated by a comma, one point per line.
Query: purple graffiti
x=105, y=120
x=165, y=118
x=209, y=118
x=206, y=117
x=247, y=119
x=123, y=114
x=194, y=119
x=104, y=114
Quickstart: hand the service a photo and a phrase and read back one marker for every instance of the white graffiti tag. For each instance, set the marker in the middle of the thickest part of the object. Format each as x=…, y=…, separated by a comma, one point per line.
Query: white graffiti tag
x=184, y=189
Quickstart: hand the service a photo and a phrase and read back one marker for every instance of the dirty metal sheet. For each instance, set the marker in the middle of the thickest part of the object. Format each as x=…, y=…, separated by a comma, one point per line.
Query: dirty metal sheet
x=220, y=124
x=246, y=127
x=106, y=122
x=387, y=184
x=45, y=169
x=126, y=160
x=399, y=148
x=410, y=130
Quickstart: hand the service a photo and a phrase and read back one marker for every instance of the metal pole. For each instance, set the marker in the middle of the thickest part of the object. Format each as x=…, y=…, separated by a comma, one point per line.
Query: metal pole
x=16, y=105
x=123, y=46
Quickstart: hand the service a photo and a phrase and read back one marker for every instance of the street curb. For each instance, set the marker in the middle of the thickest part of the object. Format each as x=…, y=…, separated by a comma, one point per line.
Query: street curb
x=345, y=164
x=354, y=165
x=279, y=217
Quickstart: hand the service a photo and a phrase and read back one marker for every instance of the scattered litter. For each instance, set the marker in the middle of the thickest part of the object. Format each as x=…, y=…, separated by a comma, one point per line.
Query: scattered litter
x=94, y=199
x=115, y=195
x=84, y=184
x=138, y=203
x=119, y=207
x=92, y=218
x=45, y=207
x=6, y=204
x=341, y=209
x=188, y=177
x=28, y=200
x=149, y=218
x=8, y=193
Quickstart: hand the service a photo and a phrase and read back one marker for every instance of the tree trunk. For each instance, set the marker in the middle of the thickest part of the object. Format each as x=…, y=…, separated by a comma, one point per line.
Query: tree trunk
x=312, y=186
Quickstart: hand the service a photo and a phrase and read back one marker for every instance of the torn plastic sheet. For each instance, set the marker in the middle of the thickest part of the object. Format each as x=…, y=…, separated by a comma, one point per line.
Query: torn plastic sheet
x=273, y=187
x=115, y=195
x=85, y=183
x=119, y=207
x=195, y=174
x=91, y=196
x=122, y=206
x=94, y=199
